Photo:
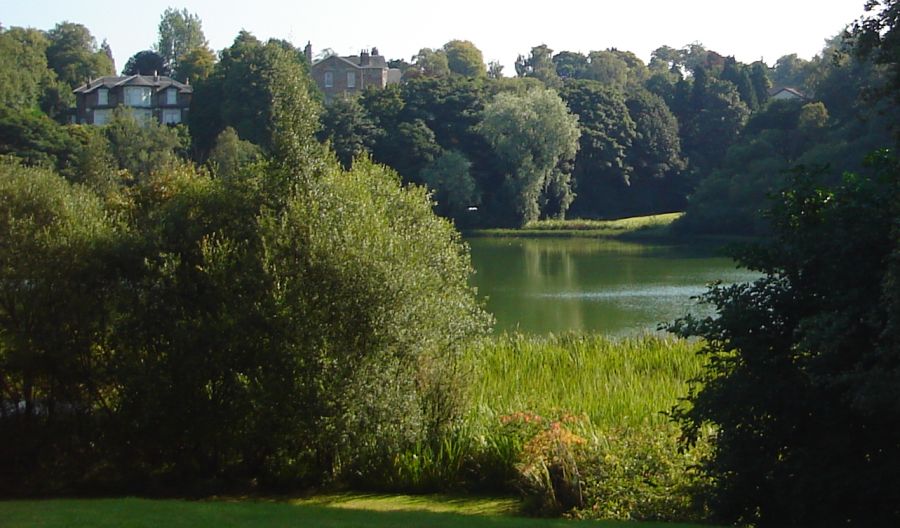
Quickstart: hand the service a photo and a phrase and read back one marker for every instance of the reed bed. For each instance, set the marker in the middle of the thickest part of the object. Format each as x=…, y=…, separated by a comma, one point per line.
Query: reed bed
x=613, y=383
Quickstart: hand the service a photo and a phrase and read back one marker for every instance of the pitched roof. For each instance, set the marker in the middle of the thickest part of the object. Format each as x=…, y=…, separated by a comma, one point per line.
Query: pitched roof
x=375, y=61
x=775, y=91
x=157, y=82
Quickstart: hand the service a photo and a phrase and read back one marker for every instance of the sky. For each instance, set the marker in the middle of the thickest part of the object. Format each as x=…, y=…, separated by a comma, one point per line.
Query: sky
x=748, y=30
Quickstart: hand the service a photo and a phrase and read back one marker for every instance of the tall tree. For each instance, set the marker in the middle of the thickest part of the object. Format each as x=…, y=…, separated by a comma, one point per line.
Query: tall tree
x=348, y=128
x=463, y=58
x=539, y=65
x=23, y=67
x=179, y=33
x=239, y=92
x=74, y=56
x=432, y=63
x=607, y=131
x=146, y=62
x=570, y=65
x=531, y=134
x=196, y=65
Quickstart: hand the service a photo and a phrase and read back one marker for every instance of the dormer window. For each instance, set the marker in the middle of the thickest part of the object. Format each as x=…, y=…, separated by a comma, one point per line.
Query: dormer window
x=172, y=96
x=102, y=97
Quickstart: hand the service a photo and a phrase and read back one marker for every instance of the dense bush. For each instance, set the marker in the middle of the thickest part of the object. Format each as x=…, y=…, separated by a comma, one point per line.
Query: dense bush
x=290, y=324
x=804, y=363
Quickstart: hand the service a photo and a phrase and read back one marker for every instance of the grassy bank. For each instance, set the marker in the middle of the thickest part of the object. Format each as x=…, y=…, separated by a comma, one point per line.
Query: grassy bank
x=651, y=227
x=135, y=513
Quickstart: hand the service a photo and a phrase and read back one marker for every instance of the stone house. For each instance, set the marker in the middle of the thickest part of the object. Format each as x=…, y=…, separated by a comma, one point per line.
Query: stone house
x=149, y=97
x=350, y=75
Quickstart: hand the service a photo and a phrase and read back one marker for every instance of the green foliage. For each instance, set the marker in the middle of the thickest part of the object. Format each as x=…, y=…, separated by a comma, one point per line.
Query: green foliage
x=607, y=132
x=531, y=134
x=142, y=148
x=180, y=33
x=819, y=328
x=36, y=139
x=23, y=67
x=431, y=63
x=288, y=321
x=74, y=56
x=454, y=188
x=58, y=247
x=245, y=90
x=539, y=65
x=231, y=155
x=348, y=129
x=463, y=58
x=146, y=62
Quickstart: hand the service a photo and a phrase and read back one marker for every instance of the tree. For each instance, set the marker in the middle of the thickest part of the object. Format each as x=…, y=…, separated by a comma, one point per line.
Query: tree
x=463, y=58
x=239, y=92
x=713, y=121
x=804, y=362
x=348, y=129
x=180, y=32
x=570, y=65
x=231, y=155
x=146, y=62
x=539, y=65
x=23, y=67
x=196, y=65
x=495, y=70
x=142, y=148
x=455, y=191
x=531, y=134
x=607, y=68
x=431, y=63
x=606, y=134
x=74, y=56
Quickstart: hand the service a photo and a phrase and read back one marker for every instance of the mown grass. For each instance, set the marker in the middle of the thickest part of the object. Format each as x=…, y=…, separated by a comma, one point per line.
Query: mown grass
x=651, y=226
x=144, y=513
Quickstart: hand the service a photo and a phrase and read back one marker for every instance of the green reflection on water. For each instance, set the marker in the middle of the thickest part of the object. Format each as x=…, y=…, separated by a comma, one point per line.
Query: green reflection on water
x=541, y=285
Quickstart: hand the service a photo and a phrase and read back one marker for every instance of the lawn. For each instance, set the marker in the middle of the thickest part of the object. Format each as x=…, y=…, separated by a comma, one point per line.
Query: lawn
x=332, y=511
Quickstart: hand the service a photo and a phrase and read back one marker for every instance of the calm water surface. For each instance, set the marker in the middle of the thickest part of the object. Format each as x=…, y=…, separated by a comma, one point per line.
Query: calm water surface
x=543, y=285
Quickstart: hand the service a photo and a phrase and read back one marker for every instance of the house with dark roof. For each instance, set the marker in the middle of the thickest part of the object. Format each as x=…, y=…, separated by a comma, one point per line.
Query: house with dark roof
x=353, y=74
x=148, y=97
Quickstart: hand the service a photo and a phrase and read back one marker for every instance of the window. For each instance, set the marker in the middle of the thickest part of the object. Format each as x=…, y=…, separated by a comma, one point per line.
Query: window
x=171, y=96
x=102, y=117
x=351, y=79
x=102, y=97
x=329, y=79
x=171, y=116
x=137, y=96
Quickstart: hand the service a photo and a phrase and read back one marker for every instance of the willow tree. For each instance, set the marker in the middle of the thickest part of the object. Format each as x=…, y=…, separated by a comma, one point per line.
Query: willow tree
x=532, y=134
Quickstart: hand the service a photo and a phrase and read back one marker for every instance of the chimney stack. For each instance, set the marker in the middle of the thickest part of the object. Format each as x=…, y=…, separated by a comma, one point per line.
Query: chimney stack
x=308, y=51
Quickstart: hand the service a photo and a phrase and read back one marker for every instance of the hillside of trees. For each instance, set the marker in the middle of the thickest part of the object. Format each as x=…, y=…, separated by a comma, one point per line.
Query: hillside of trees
x=589, y=135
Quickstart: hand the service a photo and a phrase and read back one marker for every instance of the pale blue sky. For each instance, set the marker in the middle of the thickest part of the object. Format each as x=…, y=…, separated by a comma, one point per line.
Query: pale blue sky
x=749, y=30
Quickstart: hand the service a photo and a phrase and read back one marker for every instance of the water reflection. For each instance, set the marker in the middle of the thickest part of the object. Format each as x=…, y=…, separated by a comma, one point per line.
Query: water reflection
x=542, y=285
